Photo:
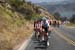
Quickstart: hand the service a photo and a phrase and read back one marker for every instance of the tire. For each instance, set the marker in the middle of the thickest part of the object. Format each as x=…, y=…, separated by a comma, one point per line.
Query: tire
x=46, y=42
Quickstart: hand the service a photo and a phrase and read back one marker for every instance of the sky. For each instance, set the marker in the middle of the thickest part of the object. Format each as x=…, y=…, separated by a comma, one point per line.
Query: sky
x=37, y=1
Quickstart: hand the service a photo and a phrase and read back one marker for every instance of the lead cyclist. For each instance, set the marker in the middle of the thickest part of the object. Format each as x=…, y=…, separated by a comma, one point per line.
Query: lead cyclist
x=46, y=28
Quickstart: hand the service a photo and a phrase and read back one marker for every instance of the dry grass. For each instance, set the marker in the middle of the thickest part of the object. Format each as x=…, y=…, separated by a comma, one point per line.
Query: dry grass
x=11, y=37
x=70, y=25
x=13, y=29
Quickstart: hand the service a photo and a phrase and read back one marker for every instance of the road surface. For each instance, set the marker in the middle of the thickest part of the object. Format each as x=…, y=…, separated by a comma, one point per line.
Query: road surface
x=62, y=38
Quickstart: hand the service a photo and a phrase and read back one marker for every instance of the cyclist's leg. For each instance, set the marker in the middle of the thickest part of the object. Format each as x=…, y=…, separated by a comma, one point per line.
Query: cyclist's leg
x=34, y=32
x=47, y=35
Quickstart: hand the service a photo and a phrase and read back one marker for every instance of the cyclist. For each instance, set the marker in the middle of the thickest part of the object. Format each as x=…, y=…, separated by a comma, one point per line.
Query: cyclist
x=45, y=26
x=35, y=27
x=38, y=28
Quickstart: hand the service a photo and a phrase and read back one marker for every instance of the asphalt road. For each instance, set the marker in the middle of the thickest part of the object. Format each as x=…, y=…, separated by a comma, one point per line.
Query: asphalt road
x=69, y=32
x=62, y=38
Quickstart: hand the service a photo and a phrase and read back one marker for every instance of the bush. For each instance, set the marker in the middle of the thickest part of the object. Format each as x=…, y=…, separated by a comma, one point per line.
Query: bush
x=16, y=3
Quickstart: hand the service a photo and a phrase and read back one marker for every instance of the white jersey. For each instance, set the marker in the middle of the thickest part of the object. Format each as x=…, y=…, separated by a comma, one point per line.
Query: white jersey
x=47, y=21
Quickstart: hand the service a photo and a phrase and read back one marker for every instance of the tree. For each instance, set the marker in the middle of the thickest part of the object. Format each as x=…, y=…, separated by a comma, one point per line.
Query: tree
x=29, y=3
x=72, y=19
x=63, y=18
x=57, y=16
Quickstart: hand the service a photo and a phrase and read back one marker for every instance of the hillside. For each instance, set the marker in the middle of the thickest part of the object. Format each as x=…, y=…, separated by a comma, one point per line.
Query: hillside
x=13, y=28
x=14, y=25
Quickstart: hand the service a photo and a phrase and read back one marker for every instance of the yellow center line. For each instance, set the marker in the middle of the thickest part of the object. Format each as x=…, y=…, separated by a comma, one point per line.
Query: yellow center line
x=65, y=38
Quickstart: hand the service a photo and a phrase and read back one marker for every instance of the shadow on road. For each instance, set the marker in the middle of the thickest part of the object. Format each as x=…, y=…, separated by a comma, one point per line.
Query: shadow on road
x=40, y=47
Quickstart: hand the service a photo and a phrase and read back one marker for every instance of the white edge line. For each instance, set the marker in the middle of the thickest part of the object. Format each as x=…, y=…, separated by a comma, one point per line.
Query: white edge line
x=25, y=44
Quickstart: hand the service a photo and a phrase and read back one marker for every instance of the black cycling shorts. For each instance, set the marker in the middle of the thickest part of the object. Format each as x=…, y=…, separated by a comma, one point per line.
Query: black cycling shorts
x=45, y=28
